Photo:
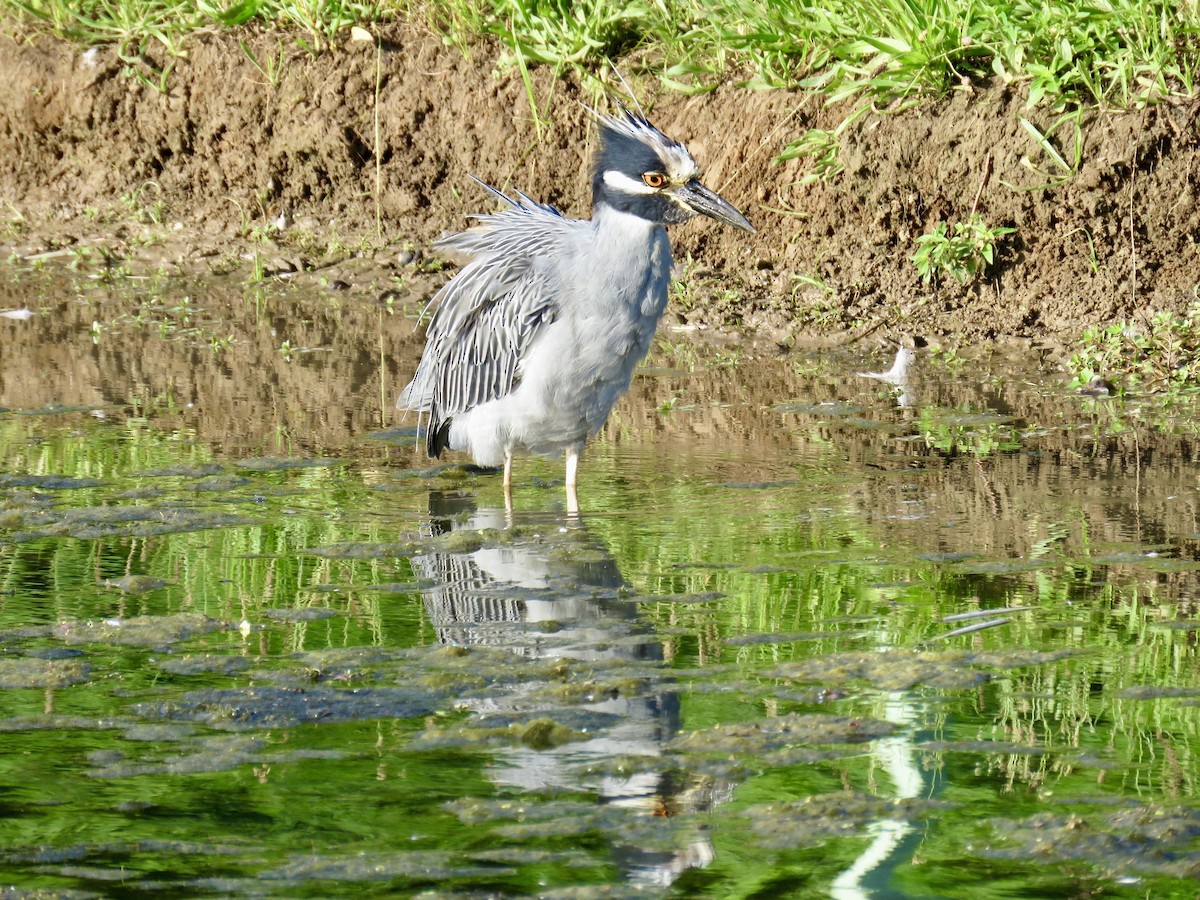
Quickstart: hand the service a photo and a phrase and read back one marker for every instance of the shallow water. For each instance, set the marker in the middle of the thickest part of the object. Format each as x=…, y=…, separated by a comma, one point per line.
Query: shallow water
x=815, y=634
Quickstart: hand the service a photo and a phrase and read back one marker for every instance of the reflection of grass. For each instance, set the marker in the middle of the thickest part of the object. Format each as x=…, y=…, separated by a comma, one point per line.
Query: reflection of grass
x=808, y=562
x=964, y=433
x=229, y=573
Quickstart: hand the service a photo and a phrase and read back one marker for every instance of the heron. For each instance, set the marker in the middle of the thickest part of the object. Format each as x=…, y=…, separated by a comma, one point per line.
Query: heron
x=537, y=336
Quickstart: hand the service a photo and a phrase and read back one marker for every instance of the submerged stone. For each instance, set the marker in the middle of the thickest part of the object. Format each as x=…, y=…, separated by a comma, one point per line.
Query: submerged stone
x=1156, y=692
x=418, y=866
x=359, y=550
x=219, y=483
x=786, y=637
x=124, y=521
x=1147, y=839
x=203, y=664
x=893, y=670
x=828, y=408
x=706, y=597
x=761, y=735
x=401, y=436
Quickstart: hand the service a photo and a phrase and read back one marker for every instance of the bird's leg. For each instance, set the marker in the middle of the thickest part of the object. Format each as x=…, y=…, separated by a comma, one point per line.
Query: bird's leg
x=508, y=481
x=572, y=472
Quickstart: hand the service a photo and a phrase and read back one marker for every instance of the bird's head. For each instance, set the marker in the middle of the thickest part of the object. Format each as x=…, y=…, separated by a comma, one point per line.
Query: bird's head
x=641, y=171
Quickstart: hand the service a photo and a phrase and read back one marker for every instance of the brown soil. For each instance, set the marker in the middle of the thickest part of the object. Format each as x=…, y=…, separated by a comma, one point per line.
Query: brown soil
x=190, y=179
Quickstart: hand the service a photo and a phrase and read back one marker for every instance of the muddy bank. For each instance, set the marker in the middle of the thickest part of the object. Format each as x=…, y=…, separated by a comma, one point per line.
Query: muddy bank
x=109, y=172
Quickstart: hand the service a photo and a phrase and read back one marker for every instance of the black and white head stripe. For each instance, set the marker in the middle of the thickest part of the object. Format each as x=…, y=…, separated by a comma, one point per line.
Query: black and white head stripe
x=642, y=172
x=631, y=146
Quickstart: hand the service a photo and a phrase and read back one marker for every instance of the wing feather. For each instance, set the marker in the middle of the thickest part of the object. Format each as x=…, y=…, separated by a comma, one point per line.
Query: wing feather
x=491, y=313
x=480, y=358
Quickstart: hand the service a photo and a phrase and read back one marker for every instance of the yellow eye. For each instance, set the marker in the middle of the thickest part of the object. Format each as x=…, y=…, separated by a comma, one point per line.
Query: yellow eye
x=655, y=179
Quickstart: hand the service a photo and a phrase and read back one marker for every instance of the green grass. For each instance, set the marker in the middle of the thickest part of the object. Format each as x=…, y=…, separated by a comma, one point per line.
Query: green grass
x=1120, y=53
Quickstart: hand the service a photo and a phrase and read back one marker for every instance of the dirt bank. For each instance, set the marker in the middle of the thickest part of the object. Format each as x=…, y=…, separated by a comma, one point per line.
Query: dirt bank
x=110, y=169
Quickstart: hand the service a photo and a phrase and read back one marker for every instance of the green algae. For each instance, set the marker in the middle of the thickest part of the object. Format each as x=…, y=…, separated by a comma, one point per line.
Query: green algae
x=815, y=820
x=144, y=631
x=655, y=698
x=135, y=584
x=888, y=670
x=28, y=672
x=1142, y=839
x=749, y=739
x=284, y=464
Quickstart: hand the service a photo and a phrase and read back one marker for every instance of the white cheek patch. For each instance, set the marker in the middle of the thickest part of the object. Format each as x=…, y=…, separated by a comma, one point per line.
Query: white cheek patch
x=619, y=181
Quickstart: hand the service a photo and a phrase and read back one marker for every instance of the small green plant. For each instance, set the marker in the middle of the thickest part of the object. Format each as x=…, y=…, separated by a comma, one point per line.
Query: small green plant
x=814, y=302
x=822, y=147
x=948, y=358
x=144, y=210
x=270, y=67
x=962, y=253
x=1158, y=355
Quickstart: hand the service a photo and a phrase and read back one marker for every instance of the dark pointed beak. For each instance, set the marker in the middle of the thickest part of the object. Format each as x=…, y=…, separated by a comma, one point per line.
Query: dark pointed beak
x=702, y=201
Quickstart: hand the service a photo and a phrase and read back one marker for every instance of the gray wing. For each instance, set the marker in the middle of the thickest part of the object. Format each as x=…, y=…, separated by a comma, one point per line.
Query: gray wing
x=490, y=314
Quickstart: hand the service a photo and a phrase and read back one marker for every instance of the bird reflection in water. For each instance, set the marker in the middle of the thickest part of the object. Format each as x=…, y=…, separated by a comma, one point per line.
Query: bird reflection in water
x=531, y=598
x=899, y=376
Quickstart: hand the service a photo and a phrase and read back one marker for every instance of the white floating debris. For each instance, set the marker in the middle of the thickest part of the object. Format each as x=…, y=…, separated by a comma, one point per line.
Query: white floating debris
x=22, y=313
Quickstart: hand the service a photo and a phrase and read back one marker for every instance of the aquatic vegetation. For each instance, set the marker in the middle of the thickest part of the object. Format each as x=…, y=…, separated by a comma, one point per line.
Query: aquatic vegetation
x=1159, y=355
x=856, y=616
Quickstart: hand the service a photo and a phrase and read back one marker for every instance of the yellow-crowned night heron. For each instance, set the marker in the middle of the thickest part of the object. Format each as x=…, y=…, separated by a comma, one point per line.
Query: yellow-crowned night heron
x=536, y=338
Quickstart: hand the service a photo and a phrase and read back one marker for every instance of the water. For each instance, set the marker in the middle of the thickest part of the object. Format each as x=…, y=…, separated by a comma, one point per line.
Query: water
x=815, y=634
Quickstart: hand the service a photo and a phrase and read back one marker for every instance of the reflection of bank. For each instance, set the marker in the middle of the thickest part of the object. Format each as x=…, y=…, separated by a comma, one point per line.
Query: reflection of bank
x=562, y=599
